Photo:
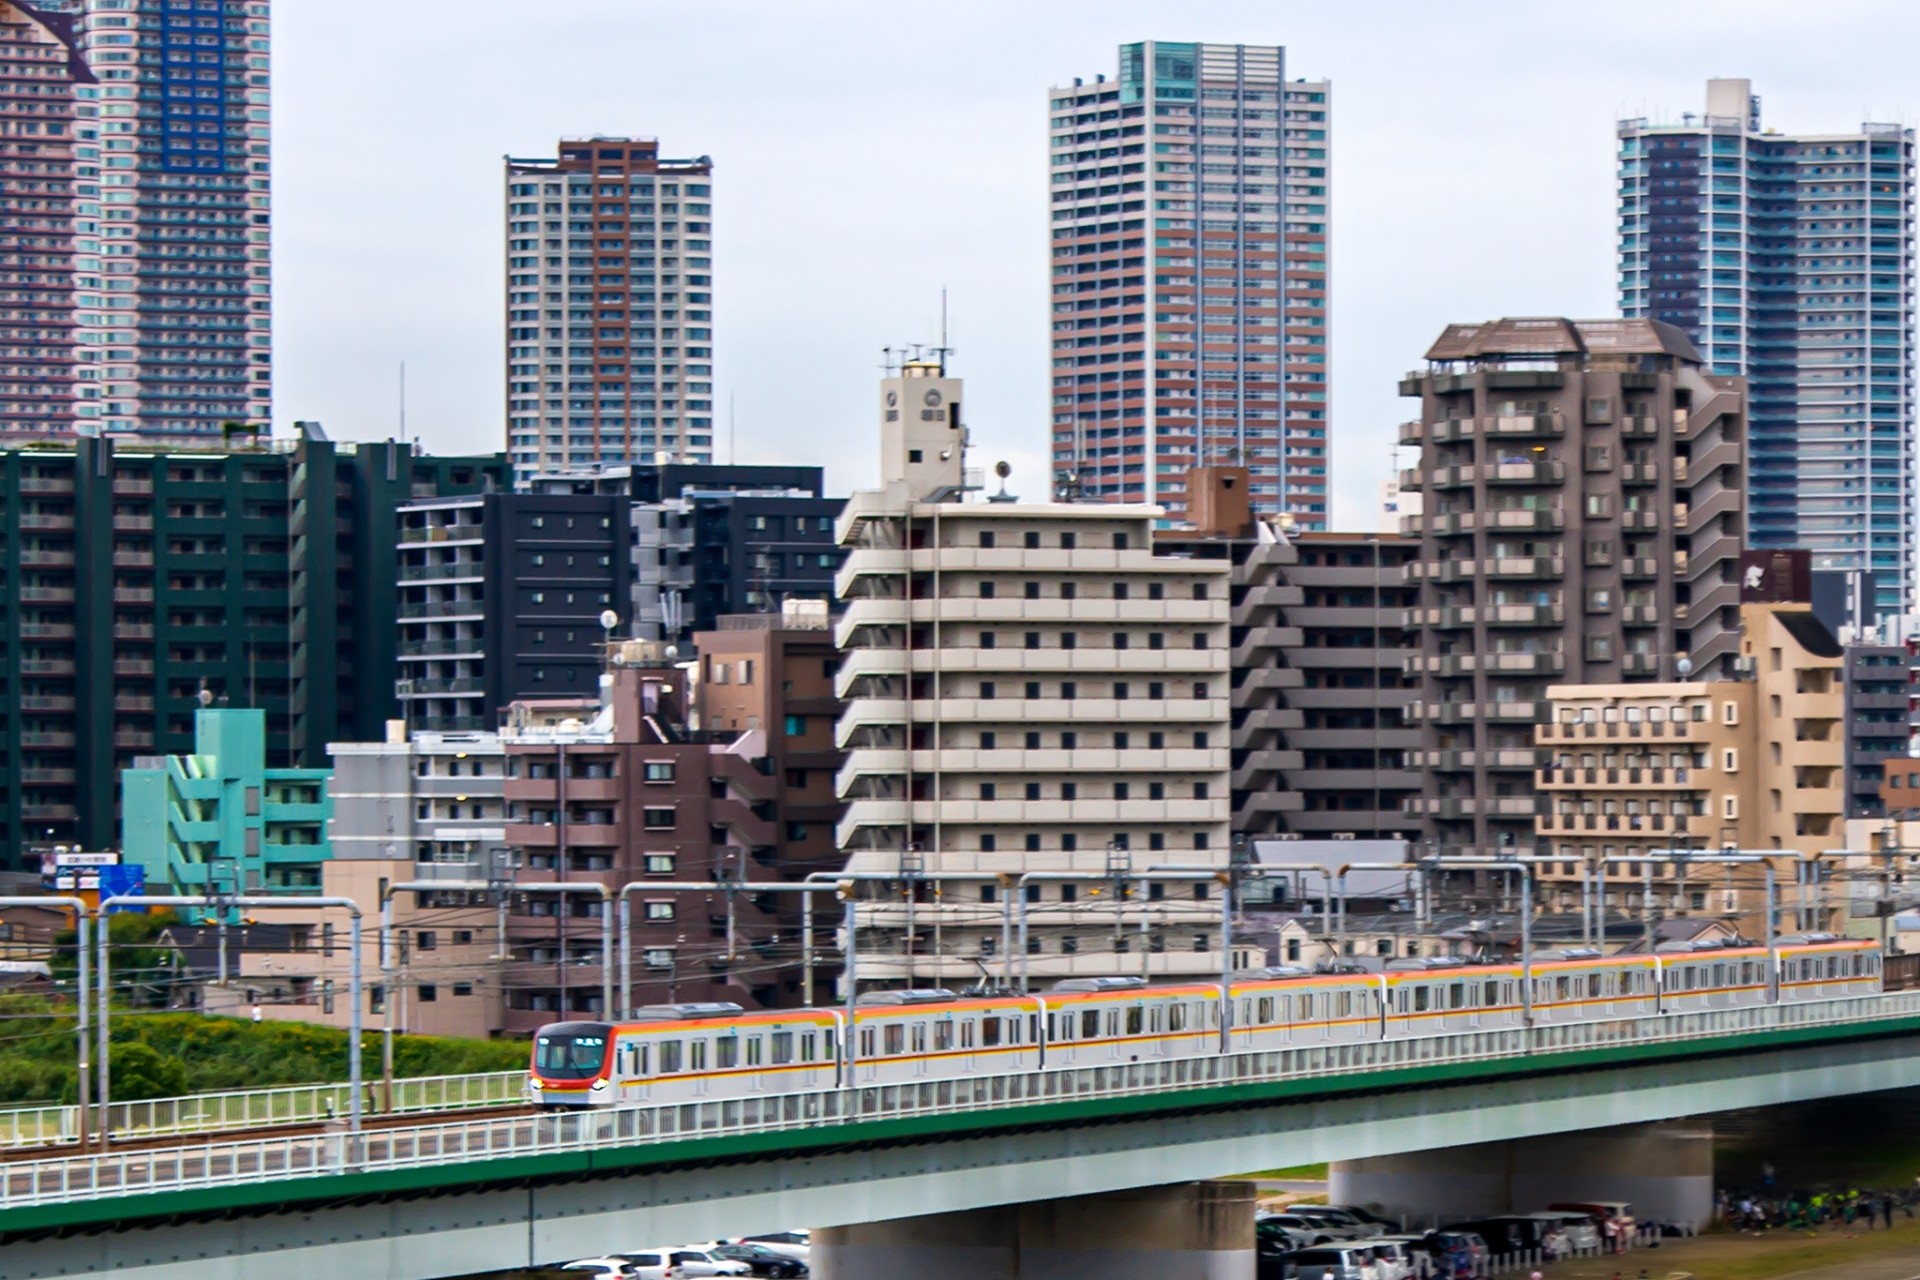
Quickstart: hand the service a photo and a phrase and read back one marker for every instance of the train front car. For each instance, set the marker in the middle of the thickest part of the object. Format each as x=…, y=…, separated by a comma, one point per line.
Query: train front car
x=570, y=1064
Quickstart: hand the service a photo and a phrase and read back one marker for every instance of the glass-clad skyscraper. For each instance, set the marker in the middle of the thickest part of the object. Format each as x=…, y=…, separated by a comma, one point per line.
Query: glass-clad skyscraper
x=1790, y=259
x=1188, y=222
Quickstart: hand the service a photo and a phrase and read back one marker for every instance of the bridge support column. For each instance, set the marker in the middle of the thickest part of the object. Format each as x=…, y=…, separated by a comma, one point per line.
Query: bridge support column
x=1193, y=1231
x=1664, y=1170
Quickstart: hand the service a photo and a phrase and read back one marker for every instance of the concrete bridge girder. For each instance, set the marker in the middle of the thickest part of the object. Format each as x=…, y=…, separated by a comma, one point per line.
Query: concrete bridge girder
x=488, y=1229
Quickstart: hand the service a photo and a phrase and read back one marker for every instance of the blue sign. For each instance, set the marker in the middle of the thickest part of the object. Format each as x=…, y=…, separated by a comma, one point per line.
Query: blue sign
x=123, y=879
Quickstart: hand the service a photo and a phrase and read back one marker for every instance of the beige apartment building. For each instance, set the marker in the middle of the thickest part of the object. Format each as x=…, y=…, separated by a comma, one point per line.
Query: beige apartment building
x=1029, y=687
x=1752, y=763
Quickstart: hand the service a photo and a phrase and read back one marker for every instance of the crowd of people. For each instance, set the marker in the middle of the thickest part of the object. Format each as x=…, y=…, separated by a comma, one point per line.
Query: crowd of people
x=1847, y=1209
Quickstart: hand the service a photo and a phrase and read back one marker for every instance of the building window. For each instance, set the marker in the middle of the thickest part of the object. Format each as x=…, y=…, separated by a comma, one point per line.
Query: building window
x=659, y=910
x=463, y=988
x=986, y=639
x=426, y=940
x=1156, y=639
x=1032, y=539
x=657, y=819
x=428, y=993
x=1119, y=542
x=659, y=864
x=987, y=740
x=986, y=537
x=1033, y=639
x=987, y=791
x=986, y=590
x=659, y=771
x=1033, y=591
x=796, y=726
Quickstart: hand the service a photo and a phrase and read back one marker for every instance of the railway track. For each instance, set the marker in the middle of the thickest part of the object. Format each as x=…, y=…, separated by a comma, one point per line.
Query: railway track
x=134, y=1144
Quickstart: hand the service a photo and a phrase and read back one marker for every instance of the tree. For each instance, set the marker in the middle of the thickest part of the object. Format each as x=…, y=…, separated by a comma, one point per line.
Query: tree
x=137, y=964
x=139, y=1071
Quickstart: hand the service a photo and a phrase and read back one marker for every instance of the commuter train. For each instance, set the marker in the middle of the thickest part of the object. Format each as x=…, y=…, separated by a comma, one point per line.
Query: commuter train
x=690, y=1052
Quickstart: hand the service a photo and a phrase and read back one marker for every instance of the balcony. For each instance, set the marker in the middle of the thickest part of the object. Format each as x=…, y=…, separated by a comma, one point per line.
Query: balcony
x=443, y=533
x=1590, y=730
x=1527, y=472
x=1524, y=567
x=1639, y=518
x=1639, y=428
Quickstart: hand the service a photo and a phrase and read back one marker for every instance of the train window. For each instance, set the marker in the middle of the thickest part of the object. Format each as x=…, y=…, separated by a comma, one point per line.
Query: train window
x=1456, y=995
x=756, y=1046
x=1720, y=975
x=990, y=1031
x=1264, y=1009
x=866, y=1042
x=645, y=1053
x=1593, y=984
x=669, y=1057
x=966, y=1034
x=919, y=1037
x=829, y=1044
x=726, y=1052
x=1053, y=1027
x=943, y=1034
x=1420, y=995
x=809, y=1046
x=1176, y=1016
x=782, y=1047
x=1346, y=1003
x=894, y=1038
x=696, y=1055
x=1491, y=997
x=1136, y=1020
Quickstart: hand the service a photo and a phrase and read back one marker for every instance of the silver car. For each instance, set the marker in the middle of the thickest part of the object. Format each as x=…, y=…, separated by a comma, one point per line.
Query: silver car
x=1336, y=1262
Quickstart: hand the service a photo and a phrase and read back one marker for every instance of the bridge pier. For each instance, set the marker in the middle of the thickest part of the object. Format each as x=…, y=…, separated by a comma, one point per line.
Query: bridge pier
x=1664, y=1170
x=1191, y=1231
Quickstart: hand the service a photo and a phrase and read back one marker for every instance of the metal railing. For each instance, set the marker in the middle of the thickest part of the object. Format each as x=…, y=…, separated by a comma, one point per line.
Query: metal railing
x=253, y=1108
x=94, y=1176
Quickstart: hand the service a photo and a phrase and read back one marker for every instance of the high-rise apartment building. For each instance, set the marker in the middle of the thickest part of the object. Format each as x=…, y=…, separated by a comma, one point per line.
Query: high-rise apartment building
x=173, y=206
x=1188, y=225
x=505, y=596
x=709, y=541
x=41, y=72
x=1789, y=260
x=1029, y=687
x=1582, y=524
x=609, y=306
x=1320, y=681
x=138, y=576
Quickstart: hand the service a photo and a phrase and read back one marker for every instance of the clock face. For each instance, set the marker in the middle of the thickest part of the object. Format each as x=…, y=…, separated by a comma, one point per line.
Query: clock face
x=893, y=398
x=933, y=397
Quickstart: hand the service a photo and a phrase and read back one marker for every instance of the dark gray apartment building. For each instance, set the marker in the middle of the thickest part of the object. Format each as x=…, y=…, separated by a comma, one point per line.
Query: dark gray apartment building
x=1583, y=521
x=1879, y=720
x=1320, y=738
x=502, y=597
x=710, y=540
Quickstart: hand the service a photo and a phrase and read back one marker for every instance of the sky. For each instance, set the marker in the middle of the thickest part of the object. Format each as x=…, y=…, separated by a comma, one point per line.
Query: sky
x=868, y=156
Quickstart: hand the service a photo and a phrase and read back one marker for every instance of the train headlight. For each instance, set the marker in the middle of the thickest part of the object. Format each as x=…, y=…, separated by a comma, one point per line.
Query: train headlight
x=533, y=1082
x=598, y=1085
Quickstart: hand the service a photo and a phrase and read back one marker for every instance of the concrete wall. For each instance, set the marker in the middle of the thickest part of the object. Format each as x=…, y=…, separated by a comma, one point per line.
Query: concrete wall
x=1192, y=1231
x=1665, y=1171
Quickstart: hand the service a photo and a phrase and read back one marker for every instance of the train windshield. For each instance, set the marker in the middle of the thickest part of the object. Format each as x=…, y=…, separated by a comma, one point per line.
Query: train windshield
x=570, y=1055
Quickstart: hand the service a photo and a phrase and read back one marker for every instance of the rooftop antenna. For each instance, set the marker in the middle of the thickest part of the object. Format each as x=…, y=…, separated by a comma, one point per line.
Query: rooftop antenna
x=943, y=331
x=403, y=402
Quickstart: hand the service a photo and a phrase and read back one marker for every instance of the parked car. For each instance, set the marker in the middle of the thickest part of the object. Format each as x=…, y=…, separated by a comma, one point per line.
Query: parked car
x=1457, y=1244
x=1331, y=1222
x=612, y=1268
x=1344, y=1217
x=1340, y=1261
x=1273, y=1260
x=763, y=1260
x=698, y=1264
x=795, y=1244
x=1581, y=1231
x=1617, y=1212
x=1506, y=1234
x=1305, y=1231
x=1391, y=1258
x=649, y=1264
x=1355, y=1212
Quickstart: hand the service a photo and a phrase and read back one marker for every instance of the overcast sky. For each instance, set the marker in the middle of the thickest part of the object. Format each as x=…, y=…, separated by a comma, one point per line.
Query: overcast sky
x=868, y=154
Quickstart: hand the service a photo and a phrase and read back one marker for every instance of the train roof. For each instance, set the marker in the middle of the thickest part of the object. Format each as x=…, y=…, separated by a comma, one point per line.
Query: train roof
x=916, y=995
x=686, y=1011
